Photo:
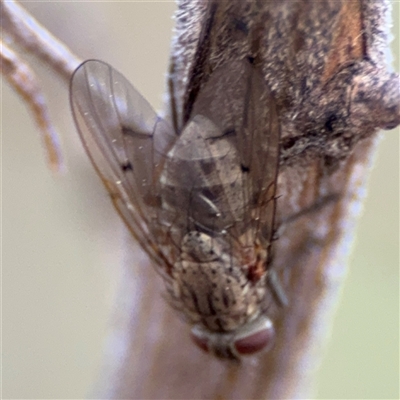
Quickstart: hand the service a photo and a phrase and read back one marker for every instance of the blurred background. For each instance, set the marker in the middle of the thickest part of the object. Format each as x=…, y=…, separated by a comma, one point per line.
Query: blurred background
x=62, y=240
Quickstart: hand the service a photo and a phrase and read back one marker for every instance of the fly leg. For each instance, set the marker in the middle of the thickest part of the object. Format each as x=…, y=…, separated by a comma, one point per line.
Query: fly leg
x=317, y=206
x=278, y=278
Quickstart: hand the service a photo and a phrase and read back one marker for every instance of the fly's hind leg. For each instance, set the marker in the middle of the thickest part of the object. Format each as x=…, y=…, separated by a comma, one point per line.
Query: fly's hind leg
x=313, y=208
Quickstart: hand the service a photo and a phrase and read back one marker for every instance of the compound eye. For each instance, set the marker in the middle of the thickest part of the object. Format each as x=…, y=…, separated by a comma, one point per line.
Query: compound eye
x=249, y=339
x=200, y=341
x=255, y=340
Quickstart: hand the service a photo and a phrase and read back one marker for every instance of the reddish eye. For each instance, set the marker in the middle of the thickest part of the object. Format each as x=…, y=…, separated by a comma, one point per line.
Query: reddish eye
x=260, y=340
x=249, y=339
x=200, y=341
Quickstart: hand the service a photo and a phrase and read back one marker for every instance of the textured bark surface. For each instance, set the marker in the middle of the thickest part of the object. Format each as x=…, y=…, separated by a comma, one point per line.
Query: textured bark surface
x=334, y=93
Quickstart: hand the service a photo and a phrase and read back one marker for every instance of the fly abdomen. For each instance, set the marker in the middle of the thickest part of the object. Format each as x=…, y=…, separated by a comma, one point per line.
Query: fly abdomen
x=202, y=178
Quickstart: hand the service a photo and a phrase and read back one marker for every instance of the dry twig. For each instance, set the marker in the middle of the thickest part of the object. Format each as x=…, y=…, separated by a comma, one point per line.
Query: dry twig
x=21, y=29
x=158, y=359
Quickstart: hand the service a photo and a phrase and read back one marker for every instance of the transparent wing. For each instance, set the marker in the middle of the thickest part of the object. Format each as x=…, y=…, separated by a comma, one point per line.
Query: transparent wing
x=237, y=100
x=126, y=141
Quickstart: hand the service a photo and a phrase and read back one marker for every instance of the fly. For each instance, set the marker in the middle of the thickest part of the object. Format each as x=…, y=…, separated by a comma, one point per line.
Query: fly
x=201, y=202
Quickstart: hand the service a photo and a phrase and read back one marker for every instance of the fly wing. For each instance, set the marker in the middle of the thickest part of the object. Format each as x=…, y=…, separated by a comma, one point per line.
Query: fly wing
x=238, y=101
x=126, y=141
x=259, y=150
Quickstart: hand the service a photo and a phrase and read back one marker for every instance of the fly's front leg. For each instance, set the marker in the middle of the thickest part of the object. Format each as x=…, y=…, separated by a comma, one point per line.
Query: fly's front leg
x=278, y=276
x=277, y=289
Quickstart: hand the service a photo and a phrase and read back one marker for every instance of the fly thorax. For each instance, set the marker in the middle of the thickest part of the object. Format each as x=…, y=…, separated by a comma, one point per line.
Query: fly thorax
x=211, y=285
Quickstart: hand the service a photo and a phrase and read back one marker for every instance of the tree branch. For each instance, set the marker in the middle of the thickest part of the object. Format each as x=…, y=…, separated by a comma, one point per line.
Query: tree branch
x=21, y=29
x=157, y=358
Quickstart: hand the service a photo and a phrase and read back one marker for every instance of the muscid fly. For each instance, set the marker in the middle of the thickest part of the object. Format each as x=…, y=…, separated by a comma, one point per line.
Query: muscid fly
x=201, y=202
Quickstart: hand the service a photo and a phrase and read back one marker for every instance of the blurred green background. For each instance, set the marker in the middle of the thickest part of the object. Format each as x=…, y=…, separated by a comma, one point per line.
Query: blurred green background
x=62, y=241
